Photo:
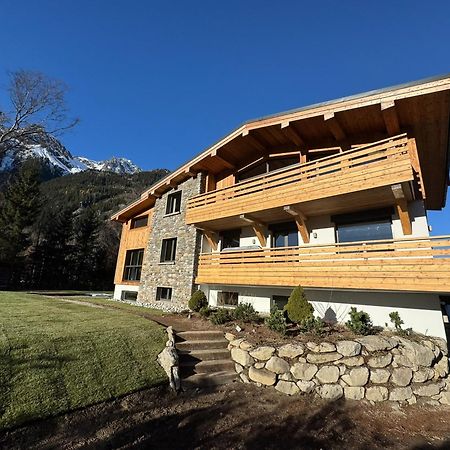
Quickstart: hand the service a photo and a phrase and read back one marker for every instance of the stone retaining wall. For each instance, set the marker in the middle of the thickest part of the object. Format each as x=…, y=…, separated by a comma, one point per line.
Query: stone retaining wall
x=376, y=368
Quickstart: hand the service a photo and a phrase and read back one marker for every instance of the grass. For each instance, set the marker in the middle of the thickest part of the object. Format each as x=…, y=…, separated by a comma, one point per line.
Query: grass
x=56, y=356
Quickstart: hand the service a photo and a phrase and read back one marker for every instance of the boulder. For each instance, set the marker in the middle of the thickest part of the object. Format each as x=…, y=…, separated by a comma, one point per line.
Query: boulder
x=330, y=391
x=379, y=376
x=328, y=374
x=445, y=398
x=236, y=342
x=230, y=337
x=401, y=394
x=401, y=376
x=441, y=368
x=377, y=343
x=287, y=387
x=348, y=348
x=241, y=357
x=320, y=358
x=354, y=392
x=380, y=360
x=304, y=371
x=262, y=376
x=245, y=346
x=377, y=393
x=306, y=386
x=286, y=376
x=442, y=344
x=323, y=347
x=244, y=378
x=358, y=376
x=428, y=390
x=352, y=361
x=277, y=365
x=259, y=365
x=262, y=353
x=238, y=368
x=418, y=355
x=291, y=351
x=422, y=375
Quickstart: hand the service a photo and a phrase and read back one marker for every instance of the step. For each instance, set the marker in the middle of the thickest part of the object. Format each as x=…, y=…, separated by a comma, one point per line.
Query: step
x=202, y=335
x=201, y=344
x=201, y=380
x=217, y=365
x=203, y=355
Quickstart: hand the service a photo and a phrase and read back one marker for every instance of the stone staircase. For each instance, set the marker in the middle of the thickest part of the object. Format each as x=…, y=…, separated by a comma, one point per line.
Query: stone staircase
x=204, y=359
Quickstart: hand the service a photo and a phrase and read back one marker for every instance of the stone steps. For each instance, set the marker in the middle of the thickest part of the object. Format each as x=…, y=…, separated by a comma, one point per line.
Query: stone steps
x=209, y=366
x=201, y=345
x=200, y=380
x=200, y=335
x=203, y=355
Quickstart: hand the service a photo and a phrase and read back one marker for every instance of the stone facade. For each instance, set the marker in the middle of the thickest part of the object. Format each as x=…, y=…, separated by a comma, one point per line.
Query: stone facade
x=413, y=371
x=180, y=274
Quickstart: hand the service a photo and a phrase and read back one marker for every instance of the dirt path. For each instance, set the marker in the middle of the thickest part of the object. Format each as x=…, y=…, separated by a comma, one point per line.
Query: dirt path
x=236, y=416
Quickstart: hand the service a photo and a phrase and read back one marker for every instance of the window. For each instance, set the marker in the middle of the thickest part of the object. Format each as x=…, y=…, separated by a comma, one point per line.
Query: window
x=269, y=165
x=173, y=203
x=133, y=265
x=230, y=238
x=168, y=250
x=163, y=293
x=227, y=298
x=279, y=301
x=284, y=234
x=129, y=295
x=139, y=222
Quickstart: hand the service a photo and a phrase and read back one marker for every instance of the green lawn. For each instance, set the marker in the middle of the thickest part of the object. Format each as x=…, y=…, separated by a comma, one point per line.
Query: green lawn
x=56, y=356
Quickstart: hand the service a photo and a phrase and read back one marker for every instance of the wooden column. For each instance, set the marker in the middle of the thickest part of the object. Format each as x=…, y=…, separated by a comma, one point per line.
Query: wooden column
x=300, y=220
x=401, y=205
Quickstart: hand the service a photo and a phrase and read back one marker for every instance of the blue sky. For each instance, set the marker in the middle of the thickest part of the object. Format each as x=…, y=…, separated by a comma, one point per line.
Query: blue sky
x=158, y=81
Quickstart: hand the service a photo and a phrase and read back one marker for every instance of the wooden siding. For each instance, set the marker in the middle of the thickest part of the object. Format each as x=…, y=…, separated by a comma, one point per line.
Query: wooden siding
x=399, y=265
x=130, y=239
x=371, y=166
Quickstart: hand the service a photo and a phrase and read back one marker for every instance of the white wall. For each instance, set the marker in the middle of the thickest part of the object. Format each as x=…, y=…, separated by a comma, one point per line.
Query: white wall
x=419, y=221
x=118, y=288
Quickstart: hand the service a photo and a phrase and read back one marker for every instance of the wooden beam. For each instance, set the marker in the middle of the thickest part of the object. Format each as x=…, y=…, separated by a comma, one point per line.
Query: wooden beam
x=334, y=126
x=390, y=118
x=300, y=220
x=292, y=134
x=226, y=163
x=212, y=238
x=253, y=141
x=258, y=228
x=190, y=172
x=401, y=205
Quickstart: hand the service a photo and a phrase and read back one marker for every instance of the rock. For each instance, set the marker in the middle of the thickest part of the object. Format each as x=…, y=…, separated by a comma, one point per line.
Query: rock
x=357, y=377
x=287, y=387
x=412, y=400
x=244, y=378
x=323, y=347
x=353, y=361
x=320, y=358
x=241, y=357
x=428, y=390
x=377, y=343
x=379, y=376
x=342, y=369
x=262, y=376
x=259, y=365
x=330, y=391
x=401, y=376
x=423, y=375
x=402, y=360
x=304, y=371
x=418, y=355
x=306, y=386
x=348, y=348
x=442, y=344
x=246, y=346
x=400, y=394
x=230, y=337
x=262, y=353
x=238, y=368
x=377, y=393
x=441, y=368
x=168, y=360
x=286, y=376
x=291, y=351
x=236, y=342
x=354, y=393
x=328, y=374
x=445, y=398
x=380, y=361
x=277, y=365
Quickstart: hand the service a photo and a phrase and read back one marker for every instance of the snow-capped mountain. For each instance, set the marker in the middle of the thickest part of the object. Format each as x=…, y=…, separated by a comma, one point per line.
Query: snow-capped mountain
x=60, y=161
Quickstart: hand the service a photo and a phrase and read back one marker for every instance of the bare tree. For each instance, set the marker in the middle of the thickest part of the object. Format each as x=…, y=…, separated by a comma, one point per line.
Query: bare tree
x=37, y=109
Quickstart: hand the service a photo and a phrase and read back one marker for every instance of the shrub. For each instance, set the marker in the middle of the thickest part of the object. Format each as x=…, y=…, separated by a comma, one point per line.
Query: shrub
x=313, y=324
x=198, y=301
x=276, y=321
x=221, y=316
x=360, y=322
x=205, y=311
x=298, y=308
x=246, y=313
x=398, y=322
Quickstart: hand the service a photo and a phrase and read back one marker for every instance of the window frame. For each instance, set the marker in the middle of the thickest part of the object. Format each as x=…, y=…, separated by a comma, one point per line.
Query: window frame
x=125, y=292
x=164, y=251
x=129, y=268
x=226, y=234
x=228, y=305
x=173, y=202
x=136, y=219
x=160, y=290
x=289, y=228
x=278, y=298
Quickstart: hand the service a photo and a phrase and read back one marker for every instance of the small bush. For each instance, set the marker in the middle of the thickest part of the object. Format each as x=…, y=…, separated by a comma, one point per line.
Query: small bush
x=221, y=316
x=298, y=308
x=205, y=311
x=276, y=321
x=246, y=313
x=360, y=322
x=398, y=322
x=314, y=325
x=197, y=301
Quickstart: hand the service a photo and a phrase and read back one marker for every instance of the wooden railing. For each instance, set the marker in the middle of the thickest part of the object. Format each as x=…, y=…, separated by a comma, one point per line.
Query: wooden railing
x=414, y=264
x=378, y=164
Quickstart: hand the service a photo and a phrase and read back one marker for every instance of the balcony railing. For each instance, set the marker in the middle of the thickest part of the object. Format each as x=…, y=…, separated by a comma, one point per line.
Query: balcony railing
x=378, y=164
x=414, y=264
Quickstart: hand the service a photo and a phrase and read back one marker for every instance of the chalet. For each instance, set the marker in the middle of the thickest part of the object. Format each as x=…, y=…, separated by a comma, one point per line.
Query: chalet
x=332, y=197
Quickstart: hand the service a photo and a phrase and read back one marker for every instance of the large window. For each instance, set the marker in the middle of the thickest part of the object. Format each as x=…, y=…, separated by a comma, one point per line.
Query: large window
x=230, y=238
x=168, y=250
x=129, y=296
x=227, y=298
x=284, y=234
x=163, y=293
x=267, y=166
x=133, y=265
x=139, y=222
x=173, y=203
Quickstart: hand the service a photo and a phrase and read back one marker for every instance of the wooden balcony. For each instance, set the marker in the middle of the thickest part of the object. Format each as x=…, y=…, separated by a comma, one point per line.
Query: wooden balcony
x=414, y=265
x=321, y=186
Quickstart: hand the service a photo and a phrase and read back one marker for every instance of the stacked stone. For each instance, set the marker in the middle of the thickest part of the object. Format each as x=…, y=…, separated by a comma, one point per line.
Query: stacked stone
x=376, y=368
x=168, y=360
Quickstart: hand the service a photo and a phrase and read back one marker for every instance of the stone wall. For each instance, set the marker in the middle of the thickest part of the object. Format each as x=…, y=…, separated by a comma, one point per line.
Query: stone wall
x=180, y=274
x=376, y=368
